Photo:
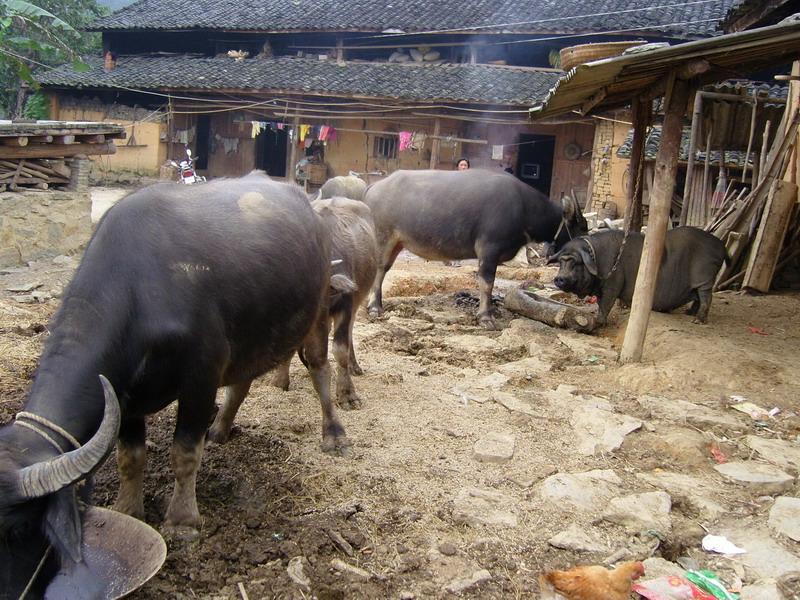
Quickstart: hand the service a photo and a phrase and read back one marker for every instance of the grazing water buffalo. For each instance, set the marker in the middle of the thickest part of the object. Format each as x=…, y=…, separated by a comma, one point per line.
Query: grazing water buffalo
x=447, y=215
x=181, y=290
x=343, y=186
x=692, y=258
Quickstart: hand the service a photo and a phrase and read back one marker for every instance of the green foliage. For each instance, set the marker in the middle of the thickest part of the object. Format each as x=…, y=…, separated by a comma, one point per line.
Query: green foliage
x=37, y=107
x=40, y=35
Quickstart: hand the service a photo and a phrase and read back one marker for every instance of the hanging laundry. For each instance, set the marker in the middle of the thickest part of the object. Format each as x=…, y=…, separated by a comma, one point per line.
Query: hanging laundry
x=331, y=134
x=323, y=133
x=281, y=126
x=308, y=142
x=418, y=141
x=304, y=129
x=405, y=140
x=257, y=127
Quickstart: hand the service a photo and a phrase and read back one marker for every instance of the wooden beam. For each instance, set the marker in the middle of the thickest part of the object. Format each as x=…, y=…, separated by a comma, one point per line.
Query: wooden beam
x=642, y=116
x=697, y=119
x=593, y=101
x=293, y=140
x=64, y=139
x=18, y=141
x=57, y=151
x=660, y=203
x=436, y=143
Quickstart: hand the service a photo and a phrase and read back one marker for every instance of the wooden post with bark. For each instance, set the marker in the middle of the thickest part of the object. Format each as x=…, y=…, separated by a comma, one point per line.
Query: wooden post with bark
x=660, y=204
x=436, y=144
x=641, y=117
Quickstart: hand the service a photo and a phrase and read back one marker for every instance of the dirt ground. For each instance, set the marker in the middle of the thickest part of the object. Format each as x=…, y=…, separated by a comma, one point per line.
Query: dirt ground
x=392, y=508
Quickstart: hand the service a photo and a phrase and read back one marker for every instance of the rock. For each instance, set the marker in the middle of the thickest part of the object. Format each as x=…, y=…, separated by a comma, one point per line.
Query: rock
x=678, y=446
x=784, y=454
x=525, y=367
x=448, y=549
x=764, y=556
x=696, y=492
x=512, y=403
x=490, y=382
x=296, y=572
x=24, y=299
x=578, y=540
x=681, y=411
x=586, y=346
x=458, y=586
x=351, y=571
x=477, y=506
x=472, y=344
x=24, y=288
x=465, y=397
x=656, y=567
x=406, y=595
x=494, y=447
x=759, y=477
x=640, y=512
x=563, y=394
x=600, y=430
x=762, y=591
x=536, y=473
x=588, y=491
x=784, y=517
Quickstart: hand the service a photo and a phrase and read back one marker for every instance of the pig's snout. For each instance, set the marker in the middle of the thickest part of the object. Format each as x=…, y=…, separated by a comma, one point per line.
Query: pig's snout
x=560, y=281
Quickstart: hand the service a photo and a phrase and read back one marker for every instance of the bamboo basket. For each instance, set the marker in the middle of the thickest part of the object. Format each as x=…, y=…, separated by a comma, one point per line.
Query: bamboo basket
x=577, y=55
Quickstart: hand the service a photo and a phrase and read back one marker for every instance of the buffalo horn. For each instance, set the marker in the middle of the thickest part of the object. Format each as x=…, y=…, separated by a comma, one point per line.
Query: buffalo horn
x=47, y=477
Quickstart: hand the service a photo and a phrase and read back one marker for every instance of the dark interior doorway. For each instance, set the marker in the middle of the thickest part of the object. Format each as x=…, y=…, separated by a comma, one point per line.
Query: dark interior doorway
x=535, y=160
x=202, y=146
x=271, y=145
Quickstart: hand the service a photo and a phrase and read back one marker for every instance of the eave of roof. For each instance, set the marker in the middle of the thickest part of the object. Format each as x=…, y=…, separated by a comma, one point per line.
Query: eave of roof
x=451, y=83
x=613, y=82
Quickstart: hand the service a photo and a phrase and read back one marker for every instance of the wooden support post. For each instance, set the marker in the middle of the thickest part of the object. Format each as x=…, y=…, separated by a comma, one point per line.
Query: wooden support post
x=436, y=143
x=660, y=203
x=769, y=239
x=294, y=139
x=52, y=151
x=641, y=117
x=697, y=120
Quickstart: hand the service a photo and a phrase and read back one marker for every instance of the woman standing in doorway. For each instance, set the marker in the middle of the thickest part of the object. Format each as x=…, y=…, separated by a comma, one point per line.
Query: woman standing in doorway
x=462, y=164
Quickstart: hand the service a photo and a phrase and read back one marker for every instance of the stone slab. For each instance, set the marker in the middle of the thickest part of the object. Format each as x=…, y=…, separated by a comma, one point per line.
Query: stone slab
x=759, y=477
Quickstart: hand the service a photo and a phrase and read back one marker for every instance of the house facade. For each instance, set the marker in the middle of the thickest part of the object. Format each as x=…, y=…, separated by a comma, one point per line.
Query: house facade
x=324, y=88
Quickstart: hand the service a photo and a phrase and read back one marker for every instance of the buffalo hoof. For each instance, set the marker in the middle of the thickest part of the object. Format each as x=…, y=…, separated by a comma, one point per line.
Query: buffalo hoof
x=280, y=381
x=375, y=312
x=133, y=508
x=349, y=401
x=488, y=323
x=355, y=369
x=180, y=533
x=337, y=446
x=698, y=321
x=218, y=435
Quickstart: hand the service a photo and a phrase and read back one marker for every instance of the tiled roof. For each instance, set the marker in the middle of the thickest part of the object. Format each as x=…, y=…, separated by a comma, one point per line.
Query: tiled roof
x=479, y=84
x=667, y=17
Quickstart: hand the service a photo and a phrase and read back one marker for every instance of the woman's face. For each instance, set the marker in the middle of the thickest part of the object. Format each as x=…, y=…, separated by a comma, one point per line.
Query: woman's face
x=462, y=165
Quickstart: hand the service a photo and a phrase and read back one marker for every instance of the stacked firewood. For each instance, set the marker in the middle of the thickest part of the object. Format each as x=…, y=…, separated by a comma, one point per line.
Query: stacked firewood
x=760, y=224
x=18, y=174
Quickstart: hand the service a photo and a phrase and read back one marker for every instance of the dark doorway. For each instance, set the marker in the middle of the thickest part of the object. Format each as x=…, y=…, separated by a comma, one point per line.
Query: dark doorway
x=535, y=160
x=271, y=147
x=202, y=146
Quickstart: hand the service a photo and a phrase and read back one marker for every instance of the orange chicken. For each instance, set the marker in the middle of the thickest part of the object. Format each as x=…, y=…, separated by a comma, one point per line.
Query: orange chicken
x=592, y=583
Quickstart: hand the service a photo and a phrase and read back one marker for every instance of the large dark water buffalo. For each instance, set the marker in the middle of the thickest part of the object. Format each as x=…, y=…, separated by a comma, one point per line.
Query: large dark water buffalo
x=446, y=215
x=181, y=290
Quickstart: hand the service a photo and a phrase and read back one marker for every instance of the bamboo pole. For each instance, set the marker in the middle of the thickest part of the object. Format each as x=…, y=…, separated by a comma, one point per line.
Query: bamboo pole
x=750, y=140
x=697, y=119
x=660, y=203
x=436, y=144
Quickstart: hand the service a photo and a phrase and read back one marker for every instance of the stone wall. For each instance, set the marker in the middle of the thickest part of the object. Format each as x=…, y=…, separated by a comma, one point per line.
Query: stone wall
x=37, y=224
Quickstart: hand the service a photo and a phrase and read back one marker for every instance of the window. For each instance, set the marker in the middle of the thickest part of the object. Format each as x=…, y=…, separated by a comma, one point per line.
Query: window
x=385, y=147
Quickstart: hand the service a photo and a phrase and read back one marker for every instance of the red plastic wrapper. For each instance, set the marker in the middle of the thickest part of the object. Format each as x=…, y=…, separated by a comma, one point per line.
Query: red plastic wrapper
x=670, y=588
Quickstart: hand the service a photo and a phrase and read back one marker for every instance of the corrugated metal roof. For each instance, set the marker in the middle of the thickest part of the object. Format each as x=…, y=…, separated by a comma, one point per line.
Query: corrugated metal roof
x=617, y=80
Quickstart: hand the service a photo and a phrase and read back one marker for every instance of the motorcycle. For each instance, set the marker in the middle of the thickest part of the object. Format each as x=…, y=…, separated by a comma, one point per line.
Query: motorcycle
x=186, y=170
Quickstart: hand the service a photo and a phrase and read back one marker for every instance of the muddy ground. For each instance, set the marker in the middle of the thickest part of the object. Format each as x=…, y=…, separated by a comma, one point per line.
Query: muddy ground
x=405, y=506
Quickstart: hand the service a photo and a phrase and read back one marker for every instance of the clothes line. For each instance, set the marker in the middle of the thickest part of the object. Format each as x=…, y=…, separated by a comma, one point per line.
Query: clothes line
x=397, y=133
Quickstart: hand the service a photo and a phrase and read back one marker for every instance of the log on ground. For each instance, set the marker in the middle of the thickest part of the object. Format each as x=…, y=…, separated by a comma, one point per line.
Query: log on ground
x=555, y=314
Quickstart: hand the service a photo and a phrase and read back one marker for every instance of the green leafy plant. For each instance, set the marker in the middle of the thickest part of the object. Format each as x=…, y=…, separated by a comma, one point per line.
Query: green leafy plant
x=40, y=35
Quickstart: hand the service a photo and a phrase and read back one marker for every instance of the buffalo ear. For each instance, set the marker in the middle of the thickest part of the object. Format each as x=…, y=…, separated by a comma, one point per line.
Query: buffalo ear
x=588, y=259
x=63, y=523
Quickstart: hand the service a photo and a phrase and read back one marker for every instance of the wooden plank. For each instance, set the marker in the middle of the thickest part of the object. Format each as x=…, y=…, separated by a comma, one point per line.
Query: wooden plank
x=57, y=151
x=660, y=204
x=769, y=239
x=64, y=139
x=95, y=138
x=697, y=118
x=436, y=143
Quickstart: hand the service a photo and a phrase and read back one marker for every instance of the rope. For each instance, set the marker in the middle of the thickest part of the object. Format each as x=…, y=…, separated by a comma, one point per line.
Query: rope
x=49, y=425
x=35, y=573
